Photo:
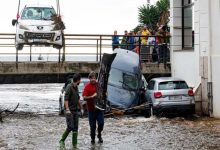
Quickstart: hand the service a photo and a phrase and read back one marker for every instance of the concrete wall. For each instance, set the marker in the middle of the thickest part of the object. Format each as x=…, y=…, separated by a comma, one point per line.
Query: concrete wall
x=184, y=66
x=205, y=57
x=215, y=54
x=47, y=67
x=50, y=72
x=68, y=67
x=185, y=62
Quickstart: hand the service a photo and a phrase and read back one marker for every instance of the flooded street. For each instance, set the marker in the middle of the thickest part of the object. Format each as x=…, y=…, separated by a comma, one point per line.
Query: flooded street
x=37, y=98
x=42, y=132
x=41, y=128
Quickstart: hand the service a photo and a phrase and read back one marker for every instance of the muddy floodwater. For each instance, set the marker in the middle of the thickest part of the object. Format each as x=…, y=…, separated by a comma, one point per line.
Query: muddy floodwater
x=42, y=132
x=36, y=126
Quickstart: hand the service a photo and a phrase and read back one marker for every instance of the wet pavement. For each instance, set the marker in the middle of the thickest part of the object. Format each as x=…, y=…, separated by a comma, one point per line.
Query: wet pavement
x=36, y=126
x=42, y=132
x=37, y=98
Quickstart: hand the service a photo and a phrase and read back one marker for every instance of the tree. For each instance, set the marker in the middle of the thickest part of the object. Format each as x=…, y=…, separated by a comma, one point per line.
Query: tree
x=153, y=15
x=163, y=7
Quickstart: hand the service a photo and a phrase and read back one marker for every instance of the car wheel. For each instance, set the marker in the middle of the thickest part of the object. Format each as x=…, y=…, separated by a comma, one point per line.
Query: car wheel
x=61, y=110
x=19, y=46
x=57, y=46
x=147, y=113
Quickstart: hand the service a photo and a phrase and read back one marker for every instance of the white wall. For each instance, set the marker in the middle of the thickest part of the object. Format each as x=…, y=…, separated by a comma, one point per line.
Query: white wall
x=185, y=63
x=215, y=55
x=184, y=67
x=200, y=65
x=216, y=86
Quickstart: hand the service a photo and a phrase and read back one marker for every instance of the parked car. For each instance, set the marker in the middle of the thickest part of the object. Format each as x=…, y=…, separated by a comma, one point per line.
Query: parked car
x=170, y=95
x=81, y=86
x=126, y=83
x=35, y=26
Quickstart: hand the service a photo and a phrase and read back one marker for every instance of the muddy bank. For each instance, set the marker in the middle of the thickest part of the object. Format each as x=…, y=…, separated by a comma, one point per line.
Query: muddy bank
x=42, y=132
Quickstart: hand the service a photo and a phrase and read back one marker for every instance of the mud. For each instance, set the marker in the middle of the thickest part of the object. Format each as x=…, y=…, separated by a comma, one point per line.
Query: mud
x=36, y=126
x=42, y=132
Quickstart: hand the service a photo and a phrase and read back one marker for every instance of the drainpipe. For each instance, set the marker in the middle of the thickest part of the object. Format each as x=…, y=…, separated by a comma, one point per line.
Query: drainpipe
x=210, y=84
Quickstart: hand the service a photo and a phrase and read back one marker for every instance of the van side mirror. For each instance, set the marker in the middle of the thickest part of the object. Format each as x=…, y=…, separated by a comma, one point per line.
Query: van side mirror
x=14, y=21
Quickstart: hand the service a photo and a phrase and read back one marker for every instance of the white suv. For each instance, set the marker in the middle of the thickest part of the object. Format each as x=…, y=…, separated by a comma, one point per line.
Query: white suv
x=38, y=25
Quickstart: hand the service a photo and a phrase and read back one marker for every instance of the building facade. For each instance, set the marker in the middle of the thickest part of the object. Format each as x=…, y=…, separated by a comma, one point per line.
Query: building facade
x=195, y=52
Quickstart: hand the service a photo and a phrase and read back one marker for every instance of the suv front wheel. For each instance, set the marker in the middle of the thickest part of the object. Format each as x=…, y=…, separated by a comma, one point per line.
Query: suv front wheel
x=18, y=46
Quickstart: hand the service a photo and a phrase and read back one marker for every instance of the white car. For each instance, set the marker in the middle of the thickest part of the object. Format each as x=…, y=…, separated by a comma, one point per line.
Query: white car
x=170, y=95
x=37, y=25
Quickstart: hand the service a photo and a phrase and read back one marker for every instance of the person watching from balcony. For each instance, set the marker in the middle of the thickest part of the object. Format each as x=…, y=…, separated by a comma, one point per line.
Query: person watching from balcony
x=145, y=32
x=124, y=40
x=137, y=42
x=131, y=40
x=145, y=50
x=115, y=40
x=162, y=35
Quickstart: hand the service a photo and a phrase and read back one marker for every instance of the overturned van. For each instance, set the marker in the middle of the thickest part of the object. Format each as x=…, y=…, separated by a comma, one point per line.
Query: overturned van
x=126, y=83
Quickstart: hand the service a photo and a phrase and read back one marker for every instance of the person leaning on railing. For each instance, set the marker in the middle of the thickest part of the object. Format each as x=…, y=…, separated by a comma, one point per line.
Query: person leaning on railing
x=137, y=42
x=162, y=43
x=115, y=40
x=145, y=32
x=145, y=50
x=131, y=41
x=124, y=40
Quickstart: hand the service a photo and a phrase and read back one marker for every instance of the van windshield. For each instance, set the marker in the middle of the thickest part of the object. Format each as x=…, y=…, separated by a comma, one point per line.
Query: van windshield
x=123, y=79
x=37, y=13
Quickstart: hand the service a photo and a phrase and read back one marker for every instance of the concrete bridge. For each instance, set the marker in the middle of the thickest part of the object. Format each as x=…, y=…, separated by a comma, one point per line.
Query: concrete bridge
x=49, y=72
x=76, y=46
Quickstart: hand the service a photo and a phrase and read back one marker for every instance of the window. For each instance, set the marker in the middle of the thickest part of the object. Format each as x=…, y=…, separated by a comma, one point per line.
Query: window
x=187, y=24
x=151, y=85
x=171, y=85
x=35, y=13
x=123, y=79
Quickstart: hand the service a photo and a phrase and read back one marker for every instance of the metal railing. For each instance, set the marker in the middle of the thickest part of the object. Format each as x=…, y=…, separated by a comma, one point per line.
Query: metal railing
x=84, y=45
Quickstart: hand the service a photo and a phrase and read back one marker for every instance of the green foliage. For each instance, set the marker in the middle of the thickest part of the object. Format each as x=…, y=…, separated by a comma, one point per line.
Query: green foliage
x=151, y=15
x=163, y=5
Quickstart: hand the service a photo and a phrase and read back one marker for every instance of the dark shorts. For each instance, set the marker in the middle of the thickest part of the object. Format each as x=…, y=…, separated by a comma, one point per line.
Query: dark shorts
x=72, y=121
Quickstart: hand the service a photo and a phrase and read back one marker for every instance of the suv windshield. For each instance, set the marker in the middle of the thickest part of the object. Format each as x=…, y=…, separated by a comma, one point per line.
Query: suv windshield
x=37, y=13
x=123, y=79
x=171, y=85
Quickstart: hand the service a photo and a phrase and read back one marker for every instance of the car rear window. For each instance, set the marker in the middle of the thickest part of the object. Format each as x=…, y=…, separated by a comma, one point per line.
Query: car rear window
x=172, y=85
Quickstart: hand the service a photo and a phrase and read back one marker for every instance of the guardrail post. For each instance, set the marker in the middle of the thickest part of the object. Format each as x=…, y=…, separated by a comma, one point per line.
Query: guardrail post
x=100, y=46
x=64, y=50
x=97, y=50
x=59, y=56
x=30, y=52
x=16, y=55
